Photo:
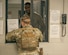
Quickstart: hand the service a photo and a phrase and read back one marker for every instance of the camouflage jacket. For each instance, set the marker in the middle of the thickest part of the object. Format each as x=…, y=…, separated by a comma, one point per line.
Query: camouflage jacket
x=18, y=36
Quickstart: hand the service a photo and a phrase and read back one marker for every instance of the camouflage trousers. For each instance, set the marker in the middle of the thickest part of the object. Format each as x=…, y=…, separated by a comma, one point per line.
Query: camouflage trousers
x=35, y=52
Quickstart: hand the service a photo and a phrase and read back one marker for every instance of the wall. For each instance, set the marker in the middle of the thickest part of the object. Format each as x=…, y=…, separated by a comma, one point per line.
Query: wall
x=66, y=11
x=14, y=9
x=58, y=5
x=5, y=49
x=55, y=46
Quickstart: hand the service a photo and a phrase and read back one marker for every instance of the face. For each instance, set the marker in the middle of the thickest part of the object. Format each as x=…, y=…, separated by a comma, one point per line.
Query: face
x=27, y=8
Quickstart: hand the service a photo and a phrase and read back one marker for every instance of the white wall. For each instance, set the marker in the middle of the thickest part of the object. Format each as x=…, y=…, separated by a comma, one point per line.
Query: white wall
x=55, y=46
x=5, y=49
x=65, y=39
x=58, y=5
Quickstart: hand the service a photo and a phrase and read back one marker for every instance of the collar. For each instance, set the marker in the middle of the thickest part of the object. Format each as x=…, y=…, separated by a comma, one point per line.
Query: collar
x=28, y=26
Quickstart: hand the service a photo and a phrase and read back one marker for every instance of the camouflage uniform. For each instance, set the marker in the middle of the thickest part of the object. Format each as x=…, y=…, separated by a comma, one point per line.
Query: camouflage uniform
x=17, y=34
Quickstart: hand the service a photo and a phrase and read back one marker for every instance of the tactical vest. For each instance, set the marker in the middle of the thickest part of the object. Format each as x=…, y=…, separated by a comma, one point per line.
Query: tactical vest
x=28, y=38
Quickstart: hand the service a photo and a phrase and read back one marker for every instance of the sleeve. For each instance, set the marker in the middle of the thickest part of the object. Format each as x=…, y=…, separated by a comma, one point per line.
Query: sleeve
x=41, y=37
x=10, y=36
x=39, y=33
